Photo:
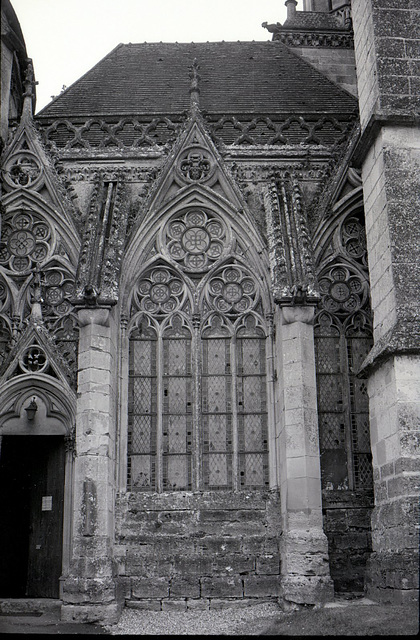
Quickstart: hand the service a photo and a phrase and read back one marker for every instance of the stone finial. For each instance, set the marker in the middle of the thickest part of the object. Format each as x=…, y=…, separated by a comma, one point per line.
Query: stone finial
x=37, y=300
x=29, y=92
x=194, y=84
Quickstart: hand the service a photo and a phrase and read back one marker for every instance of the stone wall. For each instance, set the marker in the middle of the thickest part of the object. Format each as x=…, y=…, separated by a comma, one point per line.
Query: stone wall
x=386, y=47
x=198, y=550
x=337, y=64
x=347, y=516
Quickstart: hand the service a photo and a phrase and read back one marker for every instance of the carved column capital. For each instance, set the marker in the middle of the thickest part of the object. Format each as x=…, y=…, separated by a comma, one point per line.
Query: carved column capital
x=98, y=316
x=298, y=313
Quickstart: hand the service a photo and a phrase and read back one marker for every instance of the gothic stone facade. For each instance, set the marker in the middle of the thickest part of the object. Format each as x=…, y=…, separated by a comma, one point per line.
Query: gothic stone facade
x=198, y=405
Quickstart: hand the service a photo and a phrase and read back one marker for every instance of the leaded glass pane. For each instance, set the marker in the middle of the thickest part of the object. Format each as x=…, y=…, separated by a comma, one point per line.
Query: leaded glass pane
x=142, y=419
x=217, y=471
x=253, y=470
x=177, y=408
x=176, y=472
x=252, y=412
x=253, y=395
x=142, y=472
x=252, y=431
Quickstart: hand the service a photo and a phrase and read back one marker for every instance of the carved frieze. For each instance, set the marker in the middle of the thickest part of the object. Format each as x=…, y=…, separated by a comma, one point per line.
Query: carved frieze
x=94, y=135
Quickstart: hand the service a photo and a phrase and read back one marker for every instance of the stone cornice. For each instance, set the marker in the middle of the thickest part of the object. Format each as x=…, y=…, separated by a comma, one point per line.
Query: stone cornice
x=376, y=122
x=402, y=339
x=328, y=39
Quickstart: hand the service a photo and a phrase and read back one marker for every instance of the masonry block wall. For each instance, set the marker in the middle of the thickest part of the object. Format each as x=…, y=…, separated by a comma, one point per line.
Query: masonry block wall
x=387, y=54
x=198, y=551
x=339, y=65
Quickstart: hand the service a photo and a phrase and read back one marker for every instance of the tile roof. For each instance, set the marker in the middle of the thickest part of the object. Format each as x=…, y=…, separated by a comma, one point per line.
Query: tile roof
x=236, y=77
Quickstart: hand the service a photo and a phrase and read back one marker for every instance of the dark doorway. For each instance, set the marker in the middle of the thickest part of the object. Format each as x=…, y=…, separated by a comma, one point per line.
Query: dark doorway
x=31, y=508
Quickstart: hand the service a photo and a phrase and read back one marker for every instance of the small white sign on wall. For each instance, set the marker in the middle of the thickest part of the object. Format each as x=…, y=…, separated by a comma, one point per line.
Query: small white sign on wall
x=46, y=503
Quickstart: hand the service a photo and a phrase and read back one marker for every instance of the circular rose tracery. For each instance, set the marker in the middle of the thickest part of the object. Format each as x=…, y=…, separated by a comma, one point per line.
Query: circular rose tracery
x=195, y=240
x=232, y=291
x=342, y=291
x=25, y=241
x=159, y=291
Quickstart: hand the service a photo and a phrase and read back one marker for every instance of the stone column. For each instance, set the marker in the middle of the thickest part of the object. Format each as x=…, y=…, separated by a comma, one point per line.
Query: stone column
x=305, y=567
x=90, y=590
x=386, y=47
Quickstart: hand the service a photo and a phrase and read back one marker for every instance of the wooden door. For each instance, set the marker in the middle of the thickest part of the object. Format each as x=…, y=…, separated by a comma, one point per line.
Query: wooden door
x=32, y=479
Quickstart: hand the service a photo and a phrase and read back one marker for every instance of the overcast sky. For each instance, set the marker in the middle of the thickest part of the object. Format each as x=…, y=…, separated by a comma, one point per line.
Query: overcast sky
x=66, y=38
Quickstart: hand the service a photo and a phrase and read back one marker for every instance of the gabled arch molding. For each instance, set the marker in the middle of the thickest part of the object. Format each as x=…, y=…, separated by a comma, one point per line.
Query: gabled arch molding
x=190, y=196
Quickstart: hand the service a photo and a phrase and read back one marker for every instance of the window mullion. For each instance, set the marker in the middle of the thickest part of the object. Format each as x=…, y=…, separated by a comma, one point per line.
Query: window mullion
x=197, y=423
x=159, y=421
x=346, y=406
x=234, y=400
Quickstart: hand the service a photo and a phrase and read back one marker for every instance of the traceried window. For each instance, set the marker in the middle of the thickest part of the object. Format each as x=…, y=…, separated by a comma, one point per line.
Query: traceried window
x=343, y=338
x=198, y=415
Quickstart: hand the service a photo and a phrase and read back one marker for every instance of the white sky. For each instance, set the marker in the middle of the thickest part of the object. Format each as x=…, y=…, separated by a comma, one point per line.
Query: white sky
x=66, y=38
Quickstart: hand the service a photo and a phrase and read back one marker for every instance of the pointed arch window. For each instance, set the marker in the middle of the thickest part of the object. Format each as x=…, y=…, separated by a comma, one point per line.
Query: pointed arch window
x=198, y=416
x=343, y=338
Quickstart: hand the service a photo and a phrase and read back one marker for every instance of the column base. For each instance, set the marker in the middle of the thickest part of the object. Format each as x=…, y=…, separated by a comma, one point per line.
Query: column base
x=92, y=613
x=305, y=569
x=298, y=591
x=91, y=599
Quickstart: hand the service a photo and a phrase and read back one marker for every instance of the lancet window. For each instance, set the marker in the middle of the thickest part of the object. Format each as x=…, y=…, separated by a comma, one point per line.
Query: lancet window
x=343, y=338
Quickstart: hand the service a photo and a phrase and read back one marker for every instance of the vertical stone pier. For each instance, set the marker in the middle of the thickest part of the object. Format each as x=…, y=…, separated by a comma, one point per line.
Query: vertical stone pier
x=90, y=590
x=304, y=558
x=387, y=43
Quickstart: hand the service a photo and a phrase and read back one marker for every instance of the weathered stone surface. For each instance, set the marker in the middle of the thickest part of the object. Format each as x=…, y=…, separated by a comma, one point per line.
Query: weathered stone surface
x=306, y=589
x=259, y=586
x=103, y=614
x=222, y=587
x=150, y=588
x=188, y=587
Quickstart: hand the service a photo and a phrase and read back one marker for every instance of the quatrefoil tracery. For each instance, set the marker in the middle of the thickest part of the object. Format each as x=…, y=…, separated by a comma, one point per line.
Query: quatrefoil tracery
x=195, y=165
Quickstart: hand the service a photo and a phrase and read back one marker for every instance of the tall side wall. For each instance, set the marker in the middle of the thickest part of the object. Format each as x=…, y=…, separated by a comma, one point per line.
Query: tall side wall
x=387, y=45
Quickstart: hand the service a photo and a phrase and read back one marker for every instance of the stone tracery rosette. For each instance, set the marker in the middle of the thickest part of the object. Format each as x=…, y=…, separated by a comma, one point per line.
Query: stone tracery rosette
x=33, y=359
x=59, y=290
x=343, y=290
x=195, y=165
x=353, y=239
x=26, y=241
x=159, y=291
x=196, y=240
x=23, y=170
x=232, y=291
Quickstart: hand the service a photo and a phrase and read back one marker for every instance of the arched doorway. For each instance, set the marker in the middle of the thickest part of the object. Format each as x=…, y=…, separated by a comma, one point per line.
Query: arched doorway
x=34, y=491
x=31, y=503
